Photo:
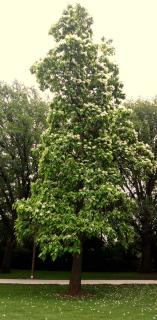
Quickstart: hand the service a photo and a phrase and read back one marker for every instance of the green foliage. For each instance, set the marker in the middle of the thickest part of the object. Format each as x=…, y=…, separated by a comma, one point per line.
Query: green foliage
x=22, y=120
x=78, y=192
x=144, y=117
x=76, y=69
x=135, y=160
x=142, y=185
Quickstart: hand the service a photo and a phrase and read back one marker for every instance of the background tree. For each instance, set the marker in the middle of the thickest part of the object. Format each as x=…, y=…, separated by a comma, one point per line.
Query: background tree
x=22, y=120
x=77, y=194
x=144, y=117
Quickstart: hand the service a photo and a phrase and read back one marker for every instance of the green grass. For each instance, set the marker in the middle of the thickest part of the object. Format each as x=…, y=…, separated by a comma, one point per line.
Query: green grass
x=24, y=274
x=41, y=302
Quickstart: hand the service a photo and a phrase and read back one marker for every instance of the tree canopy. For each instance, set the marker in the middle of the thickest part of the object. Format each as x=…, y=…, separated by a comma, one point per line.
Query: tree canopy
x=144, y=117
x=78, y=192
x=22, y=120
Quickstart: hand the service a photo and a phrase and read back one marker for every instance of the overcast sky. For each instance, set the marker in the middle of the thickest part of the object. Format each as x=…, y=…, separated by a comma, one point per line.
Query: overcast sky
x=132, y=24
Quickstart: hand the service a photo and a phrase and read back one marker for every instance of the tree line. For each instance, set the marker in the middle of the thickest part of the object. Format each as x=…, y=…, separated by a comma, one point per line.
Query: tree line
x=90, y=169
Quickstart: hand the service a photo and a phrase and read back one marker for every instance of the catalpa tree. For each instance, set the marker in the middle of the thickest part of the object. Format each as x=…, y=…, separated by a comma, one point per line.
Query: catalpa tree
x=78, y=191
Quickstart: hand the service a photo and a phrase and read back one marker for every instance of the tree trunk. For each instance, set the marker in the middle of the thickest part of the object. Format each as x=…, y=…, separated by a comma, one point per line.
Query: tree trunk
x=146, y=259
x=75, y=278
x=146, y=236
x=33, y=261
x=6, y=263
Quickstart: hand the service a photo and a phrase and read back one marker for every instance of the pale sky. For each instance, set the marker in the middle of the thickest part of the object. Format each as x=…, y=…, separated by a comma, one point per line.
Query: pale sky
x=132, y=24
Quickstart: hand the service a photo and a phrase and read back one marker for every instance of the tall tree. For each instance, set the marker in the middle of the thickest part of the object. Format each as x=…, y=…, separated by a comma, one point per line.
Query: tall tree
x=144, y=117
x=22, y=120
x=78, y=194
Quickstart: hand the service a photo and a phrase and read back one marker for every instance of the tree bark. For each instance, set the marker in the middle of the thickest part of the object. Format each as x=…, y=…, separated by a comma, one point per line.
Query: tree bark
x=75, y=278
x=33, y=261
x=146, y=236
x=6, y=263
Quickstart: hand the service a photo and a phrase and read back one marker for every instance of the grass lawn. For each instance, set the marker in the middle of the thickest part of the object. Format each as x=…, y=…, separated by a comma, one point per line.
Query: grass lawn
x=24, y=274
x=134, y=302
